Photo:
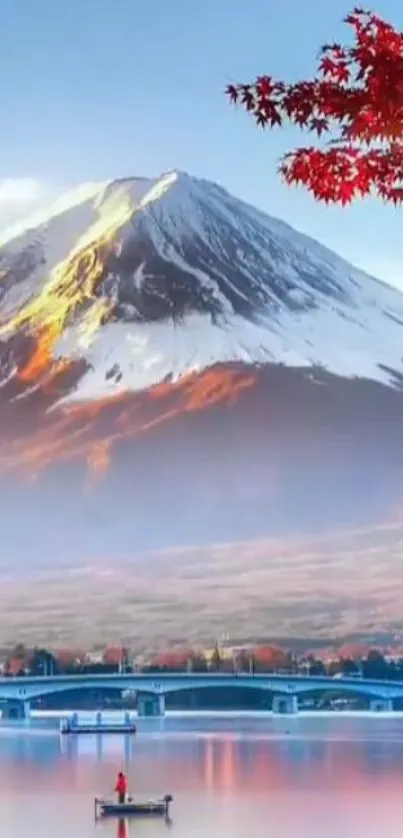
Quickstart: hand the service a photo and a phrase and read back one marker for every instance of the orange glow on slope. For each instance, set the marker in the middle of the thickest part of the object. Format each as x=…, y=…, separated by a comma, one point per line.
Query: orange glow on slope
x=71, y=291
x=88, y=432
x=42, y=357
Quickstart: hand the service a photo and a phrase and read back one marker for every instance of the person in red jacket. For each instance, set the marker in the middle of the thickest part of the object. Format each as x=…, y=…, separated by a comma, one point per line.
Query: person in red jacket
x=121, y=787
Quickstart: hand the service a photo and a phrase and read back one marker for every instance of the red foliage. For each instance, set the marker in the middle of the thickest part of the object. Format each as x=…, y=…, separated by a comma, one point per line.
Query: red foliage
x=172, y=658
x=356, y=100
x=15, y=666
x=114, y=655
x=67, y=658
x=271, y=656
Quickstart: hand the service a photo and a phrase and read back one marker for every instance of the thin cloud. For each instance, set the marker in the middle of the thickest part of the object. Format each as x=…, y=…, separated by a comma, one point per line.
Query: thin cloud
x=20, y=197
x=20, y=192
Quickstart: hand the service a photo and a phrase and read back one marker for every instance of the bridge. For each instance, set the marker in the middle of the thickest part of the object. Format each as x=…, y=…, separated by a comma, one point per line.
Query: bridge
x=151, y=689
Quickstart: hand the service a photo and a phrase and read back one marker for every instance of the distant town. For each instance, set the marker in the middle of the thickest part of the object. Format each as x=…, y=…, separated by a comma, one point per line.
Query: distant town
x=353, y=659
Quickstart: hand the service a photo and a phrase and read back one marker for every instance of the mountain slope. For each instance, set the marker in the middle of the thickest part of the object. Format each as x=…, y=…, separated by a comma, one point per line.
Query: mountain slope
x=175, y=366
x=143, y=280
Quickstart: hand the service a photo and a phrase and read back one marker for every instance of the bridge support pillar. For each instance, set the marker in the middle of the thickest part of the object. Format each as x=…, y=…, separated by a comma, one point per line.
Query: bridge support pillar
x=285, y=704
x=16, y=709
x=381, y=705
x=150, y=705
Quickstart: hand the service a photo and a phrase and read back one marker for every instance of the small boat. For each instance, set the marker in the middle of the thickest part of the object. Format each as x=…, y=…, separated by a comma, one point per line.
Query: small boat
x=74, y=725
x=133, y=808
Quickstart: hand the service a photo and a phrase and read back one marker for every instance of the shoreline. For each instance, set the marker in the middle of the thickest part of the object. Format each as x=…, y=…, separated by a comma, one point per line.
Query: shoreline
x=222, y=714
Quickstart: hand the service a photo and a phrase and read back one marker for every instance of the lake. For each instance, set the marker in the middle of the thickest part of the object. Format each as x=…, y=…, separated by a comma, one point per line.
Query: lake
x=232, y=776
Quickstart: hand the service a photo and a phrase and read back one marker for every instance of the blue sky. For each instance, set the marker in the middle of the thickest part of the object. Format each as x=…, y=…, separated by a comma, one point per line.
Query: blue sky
x=94, y=89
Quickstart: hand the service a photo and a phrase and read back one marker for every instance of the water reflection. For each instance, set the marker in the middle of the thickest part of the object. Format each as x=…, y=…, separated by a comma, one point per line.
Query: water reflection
x=237, y=775
x=74, y=747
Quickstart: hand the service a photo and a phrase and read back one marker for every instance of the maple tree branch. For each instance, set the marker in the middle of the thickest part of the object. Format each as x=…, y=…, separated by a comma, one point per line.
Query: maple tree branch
x=355, y=102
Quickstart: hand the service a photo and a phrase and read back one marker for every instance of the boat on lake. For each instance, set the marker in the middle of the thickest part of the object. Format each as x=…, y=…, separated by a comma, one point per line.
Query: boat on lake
x=75, y=725
x=133, y=808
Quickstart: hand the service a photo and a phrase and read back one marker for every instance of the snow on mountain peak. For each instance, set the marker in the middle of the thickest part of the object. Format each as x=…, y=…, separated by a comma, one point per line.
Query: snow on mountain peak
x=149, y=278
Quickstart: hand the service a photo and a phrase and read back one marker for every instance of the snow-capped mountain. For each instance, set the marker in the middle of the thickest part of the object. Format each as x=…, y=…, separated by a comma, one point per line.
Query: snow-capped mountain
x=149, y=279
x=190, y=353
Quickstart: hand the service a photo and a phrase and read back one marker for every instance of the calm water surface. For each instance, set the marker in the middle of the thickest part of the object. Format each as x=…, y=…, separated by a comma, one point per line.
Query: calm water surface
x=231, y=777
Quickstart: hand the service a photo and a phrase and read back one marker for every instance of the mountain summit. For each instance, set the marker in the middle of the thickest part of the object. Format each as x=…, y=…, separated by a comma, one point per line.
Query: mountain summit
x=144, y=280
x=176, y=366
